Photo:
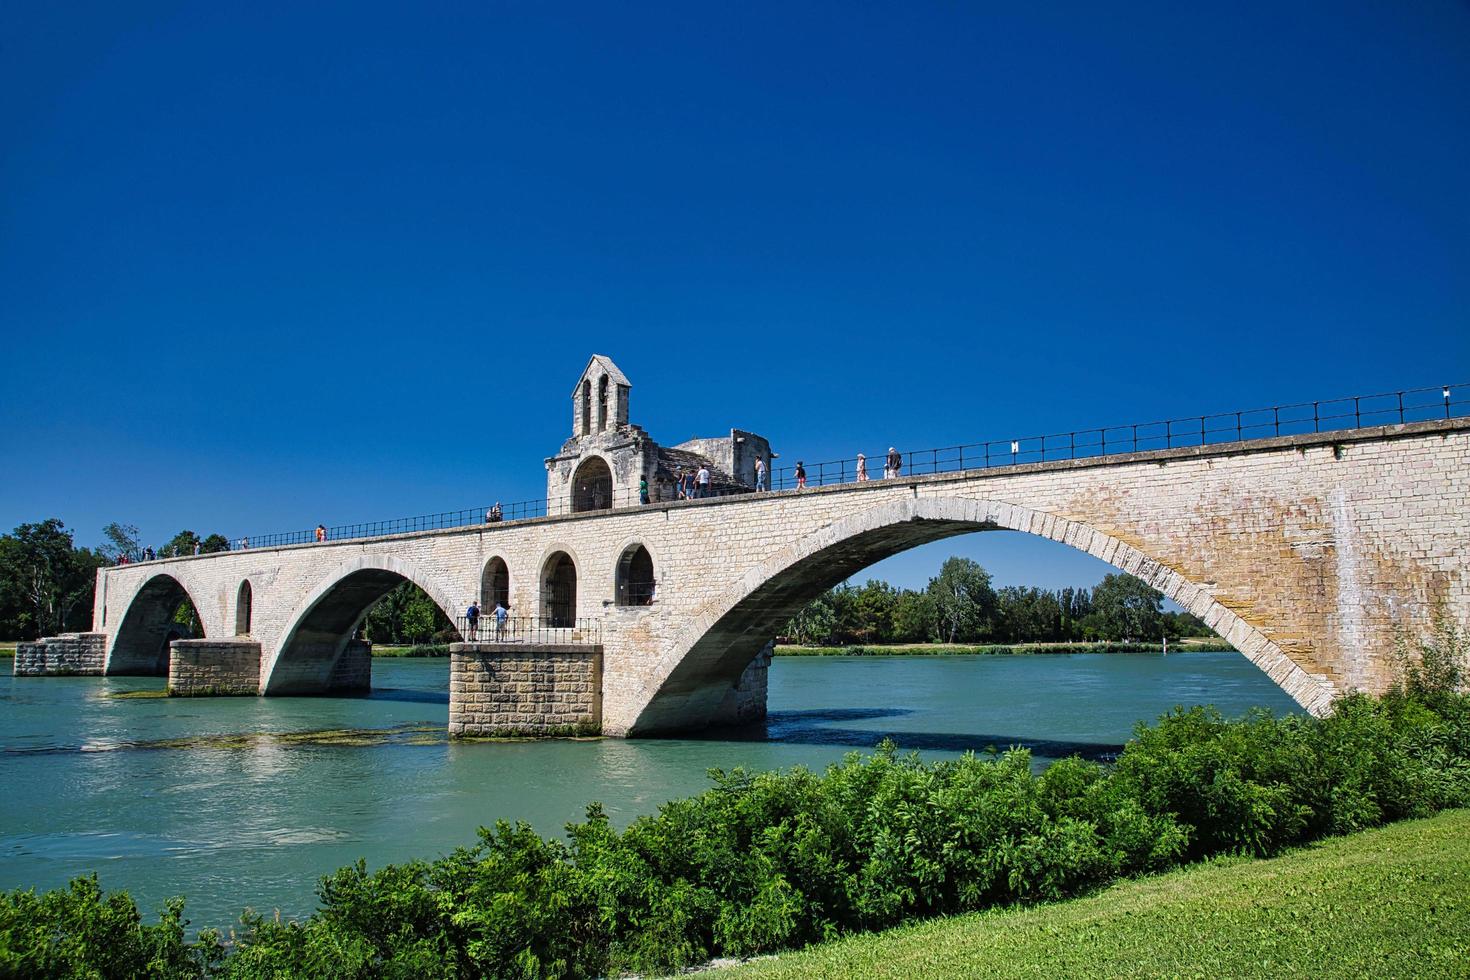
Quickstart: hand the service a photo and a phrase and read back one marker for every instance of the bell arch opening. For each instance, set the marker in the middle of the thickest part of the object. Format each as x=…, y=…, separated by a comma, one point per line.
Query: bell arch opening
x=559, y=591
x=586, y=408
x=634, y=585
x=162, y=611
x=592, y=486
x=324, y=651
x=704, y=664
x=244, y=598
x=602, y=404
x=495, y=585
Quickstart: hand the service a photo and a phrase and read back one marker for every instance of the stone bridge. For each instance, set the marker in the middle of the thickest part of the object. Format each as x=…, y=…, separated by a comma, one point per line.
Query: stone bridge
x=1307, y=553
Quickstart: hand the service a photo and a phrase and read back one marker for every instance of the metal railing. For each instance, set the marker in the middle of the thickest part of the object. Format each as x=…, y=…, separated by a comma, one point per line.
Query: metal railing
x=1332, y=415
x=528, y=629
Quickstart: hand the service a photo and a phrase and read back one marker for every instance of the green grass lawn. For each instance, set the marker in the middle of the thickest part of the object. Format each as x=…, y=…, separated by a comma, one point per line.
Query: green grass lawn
x=1393, y=902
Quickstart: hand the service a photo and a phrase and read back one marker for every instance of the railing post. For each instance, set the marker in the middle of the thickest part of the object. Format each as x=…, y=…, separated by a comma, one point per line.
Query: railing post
x=1401, y=408
x=1168, y=434
x=1072, y=444
x=1276, y=416
x=1357, y=415
x=1316, y=419
x=1238, y=433
x=1135, y=438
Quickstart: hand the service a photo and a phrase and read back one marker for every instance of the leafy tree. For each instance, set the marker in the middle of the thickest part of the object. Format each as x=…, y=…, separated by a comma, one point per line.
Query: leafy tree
x=182, y=544
x=964, y=603
x=122, y=541
x=816, y=622
x=45, y=581
x=404, y=615
x=914, y=617
x=214, y=543
x=1125, y=608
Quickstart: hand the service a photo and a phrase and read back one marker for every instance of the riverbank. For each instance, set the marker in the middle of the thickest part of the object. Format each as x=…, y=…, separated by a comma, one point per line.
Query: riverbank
x=1186, y=645
x=1386, y=902
x=420, y=650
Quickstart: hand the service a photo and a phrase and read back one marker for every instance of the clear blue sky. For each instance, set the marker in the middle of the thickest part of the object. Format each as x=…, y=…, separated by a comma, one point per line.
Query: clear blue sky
x=266, y=265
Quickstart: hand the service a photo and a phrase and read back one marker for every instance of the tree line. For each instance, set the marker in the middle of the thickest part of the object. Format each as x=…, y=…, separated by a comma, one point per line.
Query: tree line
x=960, y=605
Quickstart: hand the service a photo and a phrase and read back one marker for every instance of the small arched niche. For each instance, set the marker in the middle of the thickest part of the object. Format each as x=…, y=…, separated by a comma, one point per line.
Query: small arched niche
x=602, y=404
x=592, y=486
x=559, y=591
x=635, y=583
x=586, y=407
x=243, y=601
x=495, y=584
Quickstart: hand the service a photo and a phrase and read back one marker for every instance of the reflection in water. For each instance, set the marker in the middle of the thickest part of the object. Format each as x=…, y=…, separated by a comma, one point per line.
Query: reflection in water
x=247, y=801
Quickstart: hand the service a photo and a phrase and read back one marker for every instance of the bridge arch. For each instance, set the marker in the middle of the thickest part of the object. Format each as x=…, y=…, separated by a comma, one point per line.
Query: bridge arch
x=708, y=656
x=147, y=626
x=320, y=627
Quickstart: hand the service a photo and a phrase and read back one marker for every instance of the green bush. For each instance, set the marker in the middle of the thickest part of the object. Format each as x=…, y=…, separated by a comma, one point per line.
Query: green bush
x=769, y=861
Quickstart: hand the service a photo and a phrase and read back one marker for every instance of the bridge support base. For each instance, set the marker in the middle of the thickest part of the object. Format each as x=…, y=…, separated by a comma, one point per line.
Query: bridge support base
x=353, y=673
x=213, y=668
x=746, y=702
x=511, y=689
x=58, y=656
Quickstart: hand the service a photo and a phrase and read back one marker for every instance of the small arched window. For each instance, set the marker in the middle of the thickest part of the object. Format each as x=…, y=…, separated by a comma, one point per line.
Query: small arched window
x=635, y=583
x=495, y=585
x=592, y=486
x=559, y=591
x=586, y=407
x=602, y=404
x=243, y=600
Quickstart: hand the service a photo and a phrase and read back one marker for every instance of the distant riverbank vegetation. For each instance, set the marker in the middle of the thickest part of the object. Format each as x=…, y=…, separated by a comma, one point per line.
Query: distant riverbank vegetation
x=763, y=862
x=1190, y=645
x=961, y=606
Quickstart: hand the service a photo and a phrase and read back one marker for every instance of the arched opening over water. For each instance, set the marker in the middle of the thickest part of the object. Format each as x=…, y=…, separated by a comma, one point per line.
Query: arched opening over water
x=592, y=486
x=704, y=663
x=635, y=581
x=494, y=585
x=243, y=599
x=559, y=591
x=161, y=612
x=327, y=625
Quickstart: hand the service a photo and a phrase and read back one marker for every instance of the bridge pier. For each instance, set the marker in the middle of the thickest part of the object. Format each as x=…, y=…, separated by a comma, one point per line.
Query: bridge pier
x=745, y=704
x=505, y=689
x=80, y=654
x=213, y=668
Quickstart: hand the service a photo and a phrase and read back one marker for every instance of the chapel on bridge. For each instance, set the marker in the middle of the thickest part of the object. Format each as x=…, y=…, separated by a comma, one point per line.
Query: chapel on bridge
x=600, y=466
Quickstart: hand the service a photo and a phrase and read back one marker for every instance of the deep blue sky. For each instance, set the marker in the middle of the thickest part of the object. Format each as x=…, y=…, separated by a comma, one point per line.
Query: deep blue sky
x=266, y=265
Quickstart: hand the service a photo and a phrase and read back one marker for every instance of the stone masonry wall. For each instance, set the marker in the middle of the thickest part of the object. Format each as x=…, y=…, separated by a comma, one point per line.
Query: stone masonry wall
x=213, y=668
x=70, y=653
x=524, y=689
x=745, y=703
x=353, y=672
x=1307, y=552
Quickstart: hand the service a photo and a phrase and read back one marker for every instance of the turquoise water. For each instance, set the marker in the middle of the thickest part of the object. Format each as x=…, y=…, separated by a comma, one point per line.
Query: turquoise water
x=193, y=796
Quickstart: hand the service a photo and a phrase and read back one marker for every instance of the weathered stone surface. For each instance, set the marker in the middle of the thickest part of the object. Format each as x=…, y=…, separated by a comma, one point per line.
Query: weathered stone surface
x=69, y=653
x=218, y=668
x=524, y=689
x=353, y=672
x=1310, y=552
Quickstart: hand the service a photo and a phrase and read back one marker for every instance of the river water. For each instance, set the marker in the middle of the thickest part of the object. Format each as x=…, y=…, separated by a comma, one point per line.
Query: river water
x=226, y=802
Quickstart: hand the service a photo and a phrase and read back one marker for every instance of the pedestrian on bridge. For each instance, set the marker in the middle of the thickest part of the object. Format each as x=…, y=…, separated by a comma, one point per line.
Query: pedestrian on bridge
x=472, y=616
x=702, y=480
x=862, y=468
x=501, y=614
x=321, y=532
x=643, y=491
x=686, y=484
x=760, y=475
x=894, y=464
x=800, y=475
